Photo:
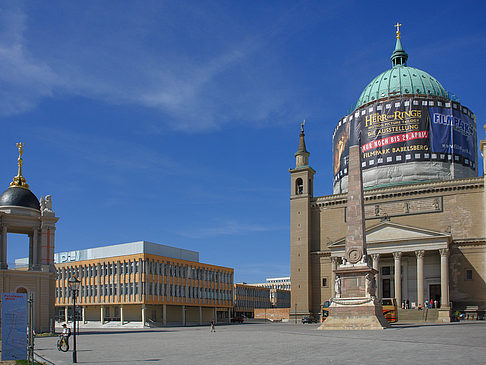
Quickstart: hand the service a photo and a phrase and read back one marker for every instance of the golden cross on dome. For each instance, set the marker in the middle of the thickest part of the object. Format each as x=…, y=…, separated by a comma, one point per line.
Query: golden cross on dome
x=398, y=25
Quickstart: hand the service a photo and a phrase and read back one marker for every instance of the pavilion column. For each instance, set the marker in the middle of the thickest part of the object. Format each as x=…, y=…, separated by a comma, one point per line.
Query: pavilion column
x=200, y=316
x=102, y=315
x=3, y=248
x=444, y=277
x=229, y=315
x=122, y=319
x=83, y=314
x=398, y=277
x=420, y=277
x=376, y=266
x=66, y=315
x=35, y=249
x=183, y=315
x=143, y=315
x=334, y=261
x=164, y=314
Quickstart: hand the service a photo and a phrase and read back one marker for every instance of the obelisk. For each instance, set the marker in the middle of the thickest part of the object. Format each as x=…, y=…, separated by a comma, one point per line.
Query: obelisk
x=355, y=306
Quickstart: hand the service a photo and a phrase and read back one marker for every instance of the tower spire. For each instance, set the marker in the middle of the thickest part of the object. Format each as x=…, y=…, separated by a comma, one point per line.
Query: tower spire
x=399, y=56
x=302, y=155
x=19, y=181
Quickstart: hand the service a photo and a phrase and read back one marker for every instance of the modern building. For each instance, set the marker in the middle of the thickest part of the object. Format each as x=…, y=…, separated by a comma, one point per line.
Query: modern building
x=424, y=204
x=145, y=283
x=280, y=298
x=279, y=291
x=248, y=297
x=22, y=213
x=276, y=283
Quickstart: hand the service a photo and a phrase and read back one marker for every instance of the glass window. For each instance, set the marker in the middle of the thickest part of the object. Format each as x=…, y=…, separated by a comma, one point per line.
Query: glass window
x=469, y=274
x=385, y=270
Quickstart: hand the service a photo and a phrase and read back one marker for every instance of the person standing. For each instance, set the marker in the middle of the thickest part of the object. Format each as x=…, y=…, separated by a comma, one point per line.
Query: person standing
x=212, y=327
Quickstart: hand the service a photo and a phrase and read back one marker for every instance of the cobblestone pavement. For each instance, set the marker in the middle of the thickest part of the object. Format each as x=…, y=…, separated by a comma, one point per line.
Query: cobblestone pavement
x=278, y=343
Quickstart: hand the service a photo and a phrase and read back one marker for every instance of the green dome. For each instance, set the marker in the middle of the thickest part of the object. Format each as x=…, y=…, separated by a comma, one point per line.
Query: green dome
x=401, y=80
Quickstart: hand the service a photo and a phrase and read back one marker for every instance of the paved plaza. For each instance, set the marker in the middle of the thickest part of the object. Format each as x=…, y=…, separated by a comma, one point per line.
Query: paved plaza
x=278, y=343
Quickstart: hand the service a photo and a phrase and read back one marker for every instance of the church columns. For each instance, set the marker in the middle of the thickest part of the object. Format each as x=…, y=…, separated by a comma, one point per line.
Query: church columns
x=376, y=265
x=420, y=277
x=444, y=277
x=3, y=248
x=398, y=277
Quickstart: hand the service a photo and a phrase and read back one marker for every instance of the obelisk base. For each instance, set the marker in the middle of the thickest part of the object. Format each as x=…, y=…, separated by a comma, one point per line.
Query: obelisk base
x=355, y=314
x=355, y=307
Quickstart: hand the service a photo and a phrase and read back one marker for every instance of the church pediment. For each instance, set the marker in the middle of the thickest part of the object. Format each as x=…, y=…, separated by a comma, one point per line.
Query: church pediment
x=392, y=234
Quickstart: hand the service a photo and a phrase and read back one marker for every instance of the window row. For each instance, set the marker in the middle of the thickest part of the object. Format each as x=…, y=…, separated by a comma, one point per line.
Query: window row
x=156, y=289
x=150, y=267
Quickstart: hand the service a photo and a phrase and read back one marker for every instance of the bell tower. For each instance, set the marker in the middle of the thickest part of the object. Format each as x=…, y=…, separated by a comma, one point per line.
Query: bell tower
x=301, y=193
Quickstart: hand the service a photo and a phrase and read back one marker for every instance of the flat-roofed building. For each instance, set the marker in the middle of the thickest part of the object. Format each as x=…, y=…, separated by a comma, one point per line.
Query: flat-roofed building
x=143, y=282
x=248, y=297
x=282, y=283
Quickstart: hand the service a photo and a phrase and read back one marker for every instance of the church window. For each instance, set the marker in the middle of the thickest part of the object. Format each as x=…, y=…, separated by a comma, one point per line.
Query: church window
x=469, y=274
x=324, y=282
x=385, y=270
x=299, y=186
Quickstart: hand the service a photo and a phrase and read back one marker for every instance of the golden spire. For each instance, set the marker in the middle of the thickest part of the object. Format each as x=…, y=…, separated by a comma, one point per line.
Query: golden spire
x=19, y=181
x=398, y=25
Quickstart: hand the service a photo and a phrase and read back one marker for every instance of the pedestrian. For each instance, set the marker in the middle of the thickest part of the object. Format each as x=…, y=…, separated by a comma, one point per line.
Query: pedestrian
x=426, y=303
x=212, y=327
x=436, y=303
x=407, y=304
x=66, y=331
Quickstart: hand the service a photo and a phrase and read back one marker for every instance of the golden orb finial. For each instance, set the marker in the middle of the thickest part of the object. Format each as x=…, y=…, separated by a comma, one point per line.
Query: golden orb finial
x=398, y=25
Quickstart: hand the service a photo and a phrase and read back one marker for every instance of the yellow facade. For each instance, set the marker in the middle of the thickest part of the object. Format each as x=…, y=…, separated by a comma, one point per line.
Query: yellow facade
x=146, y=288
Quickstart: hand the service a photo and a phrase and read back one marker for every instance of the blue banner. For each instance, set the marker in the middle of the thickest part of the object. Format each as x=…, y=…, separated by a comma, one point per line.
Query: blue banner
x=14, y=326
x=453, y=133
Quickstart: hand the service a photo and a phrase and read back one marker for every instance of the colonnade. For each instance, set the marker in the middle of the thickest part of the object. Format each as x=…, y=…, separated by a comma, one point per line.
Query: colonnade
x=397, y=258
x=143, y=314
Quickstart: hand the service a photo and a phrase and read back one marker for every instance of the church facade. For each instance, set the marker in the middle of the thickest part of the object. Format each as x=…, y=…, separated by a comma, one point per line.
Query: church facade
x=424, y=204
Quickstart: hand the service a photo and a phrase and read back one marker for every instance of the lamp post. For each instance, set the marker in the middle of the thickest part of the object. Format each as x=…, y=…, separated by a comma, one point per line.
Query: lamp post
x=73, y=283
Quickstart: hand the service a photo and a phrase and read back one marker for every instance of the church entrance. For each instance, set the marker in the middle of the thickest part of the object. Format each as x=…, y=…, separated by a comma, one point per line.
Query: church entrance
x=434, y=292
x=386, y=288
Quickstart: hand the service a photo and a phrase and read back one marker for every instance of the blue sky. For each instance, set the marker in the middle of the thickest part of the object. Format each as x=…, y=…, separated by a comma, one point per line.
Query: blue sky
x=176, y=121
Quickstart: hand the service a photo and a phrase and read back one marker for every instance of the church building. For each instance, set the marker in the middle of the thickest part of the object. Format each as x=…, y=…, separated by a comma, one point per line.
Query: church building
x=424, y=203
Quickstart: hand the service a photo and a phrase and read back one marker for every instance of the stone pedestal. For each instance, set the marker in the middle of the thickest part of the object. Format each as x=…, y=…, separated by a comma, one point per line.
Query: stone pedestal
x=444, y=315
x=355, y=306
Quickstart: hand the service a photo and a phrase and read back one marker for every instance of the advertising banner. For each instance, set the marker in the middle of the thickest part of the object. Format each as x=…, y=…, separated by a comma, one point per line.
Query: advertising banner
x=14, y=326
x=453, y=132
x=405, y=130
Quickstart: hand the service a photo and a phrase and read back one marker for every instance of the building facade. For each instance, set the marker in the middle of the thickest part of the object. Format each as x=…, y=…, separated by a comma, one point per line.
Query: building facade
x=248, y=297
x=276, y=283
x=143, y=282
x=424, y=208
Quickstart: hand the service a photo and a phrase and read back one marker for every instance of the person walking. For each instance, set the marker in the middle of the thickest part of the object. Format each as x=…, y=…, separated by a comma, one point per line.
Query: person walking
x=212, y=327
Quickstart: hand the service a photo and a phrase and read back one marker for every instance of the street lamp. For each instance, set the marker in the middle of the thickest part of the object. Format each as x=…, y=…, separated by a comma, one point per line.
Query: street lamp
x=73, y=283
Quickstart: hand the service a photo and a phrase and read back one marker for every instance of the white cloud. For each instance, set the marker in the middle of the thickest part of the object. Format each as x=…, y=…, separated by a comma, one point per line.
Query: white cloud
x=229, y=228
x=24, y=80
x=194, y=89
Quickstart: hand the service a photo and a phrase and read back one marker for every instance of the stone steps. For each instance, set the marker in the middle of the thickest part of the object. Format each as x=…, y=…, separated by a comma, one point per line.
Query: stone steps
x=414, y=315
